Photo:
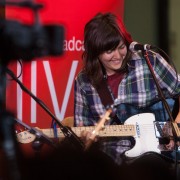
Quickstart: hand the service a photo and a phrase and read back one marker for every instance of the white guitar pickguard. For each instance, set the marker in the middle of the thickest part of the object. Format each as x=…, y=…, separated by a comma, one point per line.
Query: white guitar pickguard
x=145, y=138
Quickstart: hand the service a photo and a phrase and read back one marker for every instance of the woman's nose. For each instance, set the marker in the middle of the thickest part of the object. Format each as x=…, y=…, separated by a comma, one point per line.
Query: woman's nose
x=118, y=54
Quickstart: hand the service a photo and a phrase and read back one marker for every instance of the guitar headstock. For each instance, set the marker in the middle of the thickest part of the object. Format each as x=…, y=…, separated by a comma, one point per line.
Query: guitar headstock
x=22, y=133
x=25, y=137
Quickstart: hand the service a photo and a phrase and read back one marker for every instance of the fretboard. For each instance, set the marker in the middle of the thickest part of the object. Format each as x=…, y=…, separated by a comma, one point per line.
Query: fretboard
x=107, y=131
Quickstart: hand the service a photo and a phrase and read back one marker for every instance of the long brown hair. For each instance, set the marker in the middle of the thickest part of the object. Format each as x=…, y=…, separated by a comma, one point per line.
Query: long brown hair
x=103, y=32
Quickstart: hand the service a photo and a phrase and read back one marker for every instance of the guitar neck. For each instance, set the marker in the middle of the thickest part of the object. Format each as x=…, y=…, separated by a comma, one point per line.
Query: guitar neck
x=107, y=131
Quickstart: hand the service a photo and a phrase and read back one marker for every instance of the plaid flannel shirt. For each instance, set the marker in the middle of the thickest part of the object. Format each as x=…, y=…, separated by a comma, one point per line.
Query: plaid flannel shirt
x=137, y=88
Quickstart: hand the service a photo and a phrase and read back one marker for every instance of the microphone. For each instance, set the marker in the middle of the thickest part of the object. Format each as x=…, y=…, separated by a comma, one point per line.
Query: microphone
x=135, y=46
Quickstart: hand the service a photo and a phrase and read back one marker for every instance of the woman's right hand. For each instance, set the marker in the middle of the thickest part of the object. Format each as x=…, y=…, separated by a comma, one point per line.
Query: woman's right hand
x=88, y=138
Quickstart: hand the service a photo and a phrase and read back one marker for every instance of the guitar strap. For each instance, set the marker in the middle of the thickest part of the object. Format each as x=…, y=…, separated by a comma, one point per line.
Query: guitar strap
x=107, y=99
x=105, y=94
x=104, y=91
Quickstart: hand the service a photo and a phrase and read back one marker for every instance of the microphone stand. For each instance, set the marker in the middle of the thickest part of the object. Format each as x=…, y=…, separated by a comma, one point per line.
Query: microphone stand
x=72, y=137
x=175, y=129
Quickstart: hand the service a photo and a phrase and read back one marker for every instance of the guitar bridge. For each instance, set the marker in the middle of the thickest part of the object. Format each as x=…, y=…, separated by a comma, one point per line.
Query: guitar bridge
x=162, y=129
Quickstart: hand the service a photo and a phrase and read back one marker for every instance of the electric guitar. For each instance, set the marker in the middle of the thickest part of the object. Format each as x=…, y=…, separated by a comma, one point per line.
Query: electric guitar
x=142, y=127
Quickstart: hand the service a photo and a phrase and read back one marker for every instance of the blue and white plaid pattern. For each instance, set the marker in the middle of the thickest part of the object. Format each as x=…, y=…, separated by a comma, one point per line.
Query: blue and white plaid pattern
x=136, y=88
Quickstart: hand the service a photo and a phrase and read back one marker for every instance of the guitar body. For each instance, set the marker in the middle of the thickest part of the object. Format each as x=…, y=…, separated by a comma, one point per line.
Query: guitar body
x=145, y=138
